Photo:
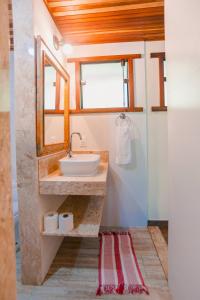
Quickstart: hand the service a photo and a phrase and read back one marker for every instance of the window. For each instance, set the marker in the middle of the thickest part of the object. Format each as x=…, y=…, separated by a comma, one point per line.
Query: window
x=105, y=84
x=162, y=80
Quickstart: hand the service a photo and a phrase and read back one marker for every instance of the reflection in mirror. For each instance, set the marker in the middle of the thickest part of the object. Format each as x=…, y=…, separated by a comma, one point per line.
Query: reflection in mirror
x=54, y=95
x=50, y=81
x=52, y=102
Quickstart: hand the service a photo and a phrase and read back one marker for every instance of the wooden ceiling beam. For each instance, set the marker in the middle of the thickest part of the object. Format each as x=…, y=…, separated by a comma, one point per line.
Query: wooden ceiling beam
x=115, y=31
x=103, y=18
x=103, y=4
x=103, y=58
x=108, y=27
x=55, y=4
x=108, y=38
x=118, y=39
x=159, y=11
x=99, y=24
x=106, y=19
x=65, y=12
x=82, y=38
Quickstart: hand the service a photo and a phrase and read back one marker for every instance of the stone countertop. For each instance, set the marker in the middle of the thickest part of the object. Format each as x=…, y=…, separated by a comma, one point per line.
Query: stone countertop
x=57, y=184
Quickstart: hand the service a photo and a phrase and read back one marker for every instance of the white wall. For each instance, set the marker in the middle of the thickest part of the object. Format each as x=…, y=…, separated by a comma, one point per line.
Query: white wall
x=183, y=56
x=127, y=202
x=157, y=139
x=46, y=28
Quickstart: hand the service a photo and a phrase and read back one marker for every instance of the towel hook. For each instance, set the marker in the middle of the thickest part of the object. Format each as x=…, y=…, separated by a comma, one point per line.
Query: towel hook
x=123, y=117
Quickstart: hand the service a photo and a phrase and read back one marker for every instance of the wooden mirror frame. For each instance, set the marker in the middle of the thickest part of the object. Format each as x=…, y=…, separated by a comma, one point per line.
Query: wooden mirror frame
x=43, y=53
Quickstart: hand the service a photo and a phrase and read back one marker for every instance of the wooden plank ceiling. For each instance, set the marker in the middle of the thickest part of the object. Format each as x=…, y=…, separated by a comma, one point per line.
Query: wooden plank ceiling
x=108, y=21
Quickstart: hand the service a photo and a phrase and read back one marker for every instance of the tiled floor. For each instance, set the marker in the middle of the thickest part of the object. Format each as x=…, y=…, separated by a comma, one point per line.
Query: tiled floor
x=73, y=274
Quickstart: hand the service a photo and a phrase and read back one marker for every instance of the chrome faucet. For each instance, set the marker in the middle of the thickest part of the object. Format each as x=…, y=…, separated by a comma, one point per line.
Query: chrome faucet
x=69, y=152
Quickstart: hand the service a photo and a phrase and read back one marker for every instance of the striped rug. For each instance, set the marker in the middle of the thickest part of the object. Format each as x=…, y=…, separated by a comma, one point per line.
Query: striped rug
x=119, y=271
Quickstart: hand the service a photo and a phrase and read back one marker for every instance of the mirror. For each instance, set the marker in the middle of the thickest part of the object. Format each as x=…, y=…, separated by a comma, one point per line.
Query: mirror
x=52, y=102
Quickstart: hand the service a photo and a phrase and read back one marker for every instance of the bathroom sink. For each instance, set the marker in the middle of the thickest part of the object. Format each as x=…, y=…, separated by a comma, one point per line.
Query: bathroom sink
x=80, y=165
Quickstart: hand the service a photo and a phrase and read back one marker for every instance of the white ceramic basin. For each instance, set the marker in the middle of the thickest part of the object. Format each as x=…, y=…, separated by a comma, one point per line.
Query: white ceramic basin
x=80, y=165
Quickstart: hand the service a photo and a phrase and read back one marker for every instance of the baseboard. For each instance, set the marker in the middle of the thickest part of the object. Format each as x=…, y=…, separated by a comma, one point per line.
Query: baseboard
x=159, y=223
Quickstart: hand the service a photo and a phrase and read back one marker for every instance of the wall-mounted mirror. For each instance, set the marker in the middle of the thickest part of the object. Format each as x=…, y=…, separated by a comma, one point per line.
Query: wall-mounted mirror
x=52, y=102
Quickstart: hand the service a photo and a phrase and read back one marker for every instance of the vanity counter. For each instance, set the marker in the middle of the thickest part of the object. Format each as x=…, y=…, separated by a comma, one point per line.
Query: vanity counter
x=57, y=184
x=85, y=195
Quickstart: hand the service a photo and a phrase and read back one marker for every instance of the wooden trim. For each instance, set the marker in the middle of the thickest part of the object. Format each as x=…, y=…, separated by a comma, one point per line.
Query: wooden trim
x=68, y=3
x=7, y=248
x=46, y=53
x=131, y=84
x=78, y=86
x=105, y=110
x=137, y=6
x=57, y=104
x=54, y=112
x=160, y=246
x=103, y=58
x=94, y=59
x=158, y=223
x=132, y=107
x=138, y=109
x=161, y=72
x=161, y=57
x=159, y=108
x=66, y=113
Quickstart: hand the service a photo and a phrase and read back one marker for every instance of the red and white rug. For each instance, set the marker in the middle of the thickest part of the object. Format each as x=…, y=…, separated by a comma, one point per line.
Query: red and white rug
x=119, y=271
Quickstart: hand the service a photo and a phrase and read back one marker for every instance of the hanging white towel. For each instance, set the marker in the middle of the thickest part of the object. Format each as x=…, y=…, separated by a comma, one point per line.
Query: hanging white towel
x=123, y=144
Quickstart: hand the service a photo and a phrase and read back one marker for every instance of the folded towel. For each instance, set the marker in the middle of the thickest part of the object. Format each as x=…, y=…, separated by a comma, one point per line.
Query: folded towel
x=123, y=144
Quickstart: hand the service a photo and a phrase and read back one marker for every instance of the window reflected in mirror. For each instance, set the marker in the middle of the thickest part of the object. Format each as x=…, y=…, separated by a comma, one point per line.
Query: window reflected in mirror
x=50, y=87
x=54, y=96
x=54, y=88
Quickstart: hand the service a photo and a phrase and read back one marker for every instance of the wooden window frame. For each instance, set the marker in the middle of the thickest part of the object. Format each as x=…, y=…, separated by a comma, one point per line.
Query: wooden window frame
x=80, y=60
x=161, y=57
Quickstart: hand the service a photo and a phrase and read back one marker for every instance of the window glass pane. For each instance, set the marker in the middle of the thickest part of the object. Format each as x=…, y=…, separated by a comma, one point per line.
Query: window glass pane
x=102, y=85
x=62, y=93
x=50, y=87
